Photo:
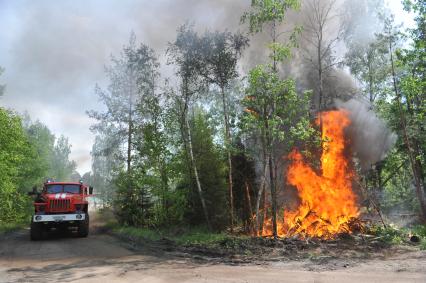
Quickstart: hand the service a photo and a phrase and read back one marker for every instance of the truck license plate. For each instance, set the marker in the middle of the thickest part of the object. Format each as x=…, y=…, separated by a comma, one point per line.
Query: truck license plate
x=58, y=218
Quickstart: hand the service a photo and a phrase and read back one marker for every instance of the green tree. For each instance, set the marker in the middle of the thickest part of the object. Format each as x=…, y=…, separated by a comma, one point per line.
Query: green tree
x=61, y=166
x=270, y=13
x=211, y=175
x=275, y=109
x=105, y=153
x=13, y=148
x=366, y=56
x=39, y=162
x=121, y=99
x=404, y=106
x=185, y=53
x=221, y=51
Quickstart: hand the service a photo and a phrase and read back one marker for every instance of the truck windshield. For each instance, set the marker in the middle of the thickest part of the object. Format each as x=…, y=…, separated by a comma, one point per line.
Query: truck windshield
x=56, y=189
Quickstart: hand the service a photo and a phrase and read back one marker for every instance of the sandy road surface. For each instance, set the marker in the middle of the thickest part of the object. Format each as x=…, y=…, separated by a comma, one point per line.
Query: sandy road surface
x=102, y=258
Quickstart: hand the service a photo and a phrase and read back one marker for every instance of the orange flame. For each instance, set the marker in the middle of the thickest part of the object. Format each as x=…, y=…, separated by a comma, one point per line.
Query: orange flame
x=328, y=203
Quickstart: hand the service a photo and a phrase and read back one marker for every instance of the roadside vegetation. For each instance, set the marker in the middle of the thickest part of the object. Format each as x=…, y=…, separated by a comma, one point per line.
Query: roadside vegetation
x=29, y=153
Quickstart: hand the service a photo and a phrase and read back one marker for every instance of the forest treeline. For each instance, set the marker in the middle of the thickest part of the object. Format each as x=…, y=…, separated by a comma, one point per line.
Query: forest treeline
x=206, y=146
x=29, y=153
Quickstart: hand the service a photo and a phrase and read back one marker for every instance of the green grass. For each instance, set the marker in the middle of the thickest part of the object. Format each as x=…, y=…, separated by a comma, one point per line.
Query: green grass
x=187, y=236
x=199, y=236
x=392, y=234
x=139, y=233
x=420, y=230
x=9, y=227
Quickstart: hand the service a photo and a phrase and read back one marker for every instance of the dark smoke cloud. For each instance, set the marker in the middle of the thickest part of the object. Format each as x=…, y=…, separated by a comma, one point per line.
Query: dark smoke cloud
x=54, y=52
x=370, y=137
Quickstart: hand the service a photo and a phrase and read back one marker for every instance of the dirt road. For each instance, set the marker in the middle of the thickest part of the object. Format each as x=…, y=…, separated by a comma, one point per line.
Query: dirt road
x=102, y=258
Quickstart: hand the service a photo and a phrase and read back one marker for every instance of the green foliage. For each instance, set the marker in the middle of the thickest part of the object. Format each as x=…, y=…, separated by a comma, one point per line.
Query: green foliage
x=272, y=13
x=200, y=236
x=40, y=158
x=267, y=11
x=420, y=231
x=390, y=234
x=13, y=148
x=274, y=105
x=61, y=167
x=132, y=202
x=212, y=176
x=139, y=233
x=186, y=236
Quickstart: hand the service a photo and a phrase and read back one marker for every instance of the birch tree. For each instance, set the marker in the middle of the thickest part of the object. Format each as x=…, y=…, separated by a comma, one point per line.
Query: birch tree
x=185, y=53
x=220, y=52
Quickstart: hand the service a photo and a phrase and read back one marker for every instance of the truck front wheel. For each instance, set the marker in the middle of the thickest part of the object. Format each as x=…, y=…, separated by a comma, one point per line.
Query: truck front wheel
x=36, y=232
x=83, y=227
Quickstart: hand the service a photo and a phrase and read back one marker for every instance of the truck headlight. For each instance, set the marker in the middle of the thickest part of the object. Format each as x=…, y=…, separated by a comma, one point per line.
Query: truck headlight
x=79, y=216
x=38, y=217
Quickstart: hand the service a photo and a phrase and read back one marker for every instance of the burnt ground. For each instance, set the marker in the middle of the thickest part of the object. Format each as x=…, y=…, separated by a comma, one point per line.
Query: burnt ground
x=106, y=257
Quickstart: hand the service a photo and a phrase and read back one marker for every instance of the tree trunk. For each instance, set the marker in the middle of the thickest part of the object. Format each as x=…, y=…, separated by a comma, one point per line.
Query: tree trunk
x=129, y=136
x=197, y=179
x=272, y=180
x=413, y=160
x=250, y=210
x=228, y=148
x=259, y=198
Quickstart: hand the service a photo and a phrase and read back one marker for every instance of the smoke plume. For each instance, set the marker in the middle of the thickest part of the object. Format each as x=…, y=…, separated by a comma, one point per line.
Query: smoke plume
x=370, y=137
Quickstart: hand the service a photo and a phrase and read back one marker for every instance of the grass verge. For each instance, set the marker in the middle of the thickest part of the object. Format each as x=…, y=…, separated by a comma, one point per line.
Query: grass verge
x=187, y=236
x=394, y=235
x=10, y=227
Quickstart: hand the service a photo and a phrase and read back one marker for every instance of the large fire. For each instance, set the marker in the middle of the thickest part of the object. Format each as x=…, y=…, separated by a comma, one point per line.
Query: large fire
x=327, y=202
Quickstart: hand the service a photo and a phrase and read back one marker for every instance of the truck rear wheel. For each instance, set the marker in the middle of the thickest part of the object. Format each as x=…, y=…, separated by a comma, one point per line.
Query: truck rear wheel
x=36, y=232
x=83, y=227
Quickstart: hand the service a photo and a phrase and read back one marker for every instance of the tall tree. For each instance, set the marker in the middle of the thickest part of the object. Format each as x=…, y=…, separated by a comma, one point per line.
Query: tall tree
x=274, y=106
x=41, y=162
x=321, y=39
x=221, y=51
x=409, y=84
x=365, y=57
x=105, y=153
x=271, y=13
x=14, y=148
x=211, y=173
x=185, y=53
x=120, y=99
x=61, y=165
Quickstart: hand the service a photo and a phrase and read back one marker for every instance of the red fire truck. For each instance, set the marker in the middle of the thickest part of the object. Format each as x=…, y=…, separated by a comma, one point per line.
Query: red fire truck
x=61, y=205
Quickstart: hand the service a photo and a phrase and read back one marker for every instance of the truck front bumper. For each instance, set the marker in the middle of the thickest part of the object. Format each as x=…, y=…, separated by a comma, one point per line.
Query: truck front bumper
x=59, y=217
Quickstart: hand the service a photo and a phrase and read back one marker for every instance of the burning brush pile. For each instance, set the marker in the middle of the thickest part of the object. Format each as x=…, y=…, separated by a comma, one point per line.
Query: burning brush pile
x=328, y=205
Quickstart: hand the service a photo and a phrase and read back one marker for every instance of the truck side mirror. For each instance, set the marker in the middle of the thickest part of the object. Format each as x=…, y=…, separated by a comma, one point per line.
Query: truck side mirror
x=90, y=190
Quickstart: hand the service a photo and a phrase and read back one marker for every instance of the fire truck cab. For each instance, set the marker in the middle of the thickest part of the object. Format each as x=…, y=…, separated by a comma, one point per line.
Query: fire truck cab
x=60, y=205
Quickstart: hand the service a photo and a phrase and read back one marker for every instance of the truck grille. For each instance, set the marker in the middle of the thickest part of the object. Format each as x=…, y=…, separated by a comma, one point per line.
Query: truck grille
x=59, y=204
